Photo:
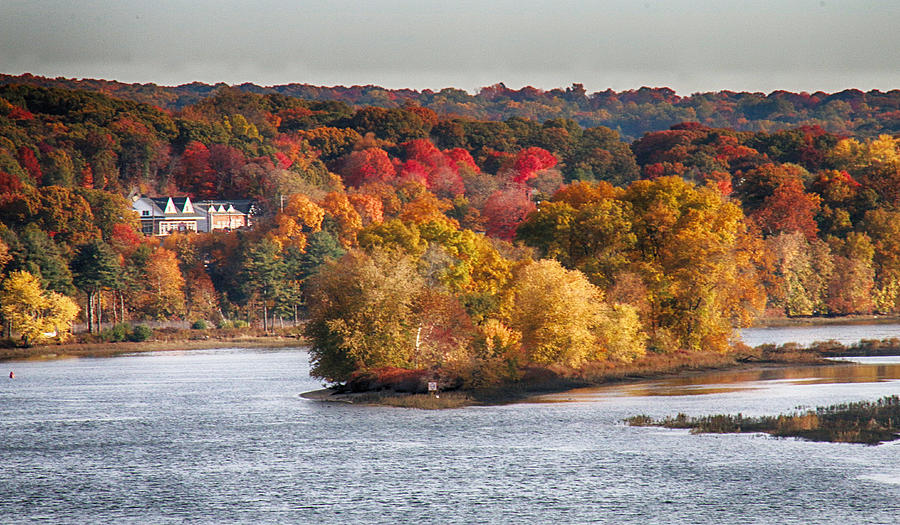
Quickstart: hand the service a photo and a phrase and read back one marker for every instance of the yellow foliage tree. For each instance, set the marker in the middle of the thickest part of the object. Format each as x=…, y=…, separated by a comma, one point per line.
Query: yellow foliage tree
x=346, y=219
x=163, y=297
x=300, y=217
x=37, y=315
x=557, y=312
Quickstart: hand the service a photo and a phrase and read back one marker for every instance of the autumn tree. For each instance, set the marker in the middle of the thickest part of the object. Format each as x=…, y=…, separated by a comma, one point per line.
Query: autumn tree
x=788, y=209
x=505, y=209
x=698, y=261
x=883, y=228
x=367, y=165
x=163, y=296
x=34, y=313
x=299, y=217
x=342, y=219
x=530, y=161
x=563, y=319
x=851, y=283
x=802, y=269
x=363, y=315
x=193, y=173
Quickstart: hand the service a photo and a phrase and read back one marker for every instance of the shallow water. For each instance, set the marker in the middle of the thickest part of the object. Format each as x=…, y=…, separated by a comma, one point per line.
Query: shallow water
x=222, y=437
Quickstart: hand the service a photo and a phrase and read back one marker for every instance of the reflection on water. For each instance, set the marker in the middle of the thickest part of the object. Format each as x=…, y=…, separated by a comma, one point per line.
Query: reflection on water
x=718, y=382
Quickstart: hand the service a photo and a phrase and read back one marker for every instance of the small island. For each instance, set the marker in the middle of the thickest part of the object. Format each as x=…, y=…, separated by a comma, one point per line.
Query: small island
x=869, y=423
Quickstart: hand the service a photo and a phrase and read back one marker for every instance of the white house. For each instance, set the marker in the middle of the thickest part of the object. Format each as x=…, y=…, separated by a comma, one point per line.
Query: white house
x=164, y=215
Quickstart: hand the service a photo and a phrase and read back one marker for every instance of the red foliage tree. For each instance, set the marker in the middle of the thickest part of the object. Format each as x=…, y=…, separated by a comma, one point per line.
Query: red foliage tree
x=438, y=170
x=423, y=151
x=721, y=179
x=445, y=182
x=87, y=177
x=367, y=165
x=505, y=209
x=194, y=174
x=29, y=162
x=9, y=183
x=462, y=159
x=124, y=238
x=531, y=160
x=17, y=113
x=227, y=163
x=662, y=169
x=789, y=209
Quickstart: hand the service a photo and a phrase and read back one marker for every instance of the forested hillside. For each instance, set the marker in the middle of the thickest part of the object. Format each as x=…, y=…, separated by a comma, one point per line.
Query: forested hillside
x=631, y=113
x=411, y=233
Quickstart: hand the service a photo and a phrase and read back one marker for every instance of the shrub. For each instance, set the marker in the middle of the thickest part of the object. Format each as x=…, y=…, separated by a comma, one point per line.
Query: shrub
x=140, y=333
x=116, y=334
x=240, y=323
x=199, y=324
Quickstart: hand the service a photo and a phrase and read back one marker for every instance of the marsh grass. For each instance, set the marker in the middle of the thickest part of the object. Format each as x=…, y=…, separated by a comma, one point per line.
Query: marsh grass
x=864, y=422
x=420, y=401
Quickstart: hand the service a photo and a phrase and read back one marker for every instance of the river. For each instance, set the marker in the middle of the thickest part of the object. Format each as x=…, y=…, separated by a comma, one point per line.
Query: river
x=221, y=436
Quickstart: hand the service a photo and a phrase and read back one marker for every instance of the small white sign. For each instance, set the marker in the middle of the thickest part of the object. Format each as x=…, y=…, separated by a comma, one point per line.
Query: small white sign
x=432, y=386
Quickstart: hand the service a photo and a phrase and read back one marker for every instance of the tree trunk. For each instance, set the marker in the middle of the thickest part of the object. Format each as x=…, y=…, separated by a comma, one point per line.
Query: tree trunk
x=265, y=317
x=99, y=312
x=90, y=313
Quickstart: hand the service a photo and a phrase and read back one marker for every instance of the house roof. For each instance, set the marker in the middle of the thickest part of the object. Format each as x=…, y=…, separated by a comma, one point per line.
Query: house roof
x=243, y=206
x=173, y=208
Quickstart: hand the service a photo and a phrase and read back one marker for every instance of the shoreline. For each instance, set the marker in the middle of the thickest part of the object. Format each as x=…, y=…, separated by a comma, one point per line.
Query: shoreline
x=776, y=322
x=72, y=350
x=522, y=392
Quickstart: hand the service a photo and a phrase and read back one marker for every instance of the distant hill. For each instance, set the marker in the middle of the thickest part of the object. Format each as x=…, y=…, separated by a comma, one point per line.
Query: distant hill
x=631, y=113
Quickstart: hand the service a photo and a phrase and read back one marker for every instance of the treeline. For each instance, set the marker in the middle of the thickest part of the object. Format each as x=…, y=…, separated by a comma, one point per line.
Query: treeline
x=411, y=238
x=630, y=113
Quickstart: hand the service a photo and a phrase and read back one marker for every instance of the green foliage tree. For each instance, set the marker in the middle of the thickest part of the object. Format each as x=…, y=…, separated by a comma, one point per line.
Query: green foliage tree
x=95, y=267
x=263, y=273
x=42, y=257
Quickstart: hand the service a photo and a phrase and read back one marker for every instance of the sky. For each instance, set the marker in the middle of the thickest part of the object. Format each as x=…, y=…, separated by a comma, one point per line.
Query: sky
x=687, y=45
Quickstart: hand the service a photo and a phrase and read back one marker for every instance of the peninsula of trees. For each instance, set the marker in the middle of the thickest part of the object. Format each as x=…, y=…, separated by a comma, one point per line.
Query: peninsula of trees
x=476, y=238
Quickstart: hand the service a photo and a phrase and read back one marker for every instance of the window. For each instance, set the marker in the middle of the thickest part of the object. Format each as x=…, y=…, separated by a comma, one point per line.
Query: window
x=145, y=213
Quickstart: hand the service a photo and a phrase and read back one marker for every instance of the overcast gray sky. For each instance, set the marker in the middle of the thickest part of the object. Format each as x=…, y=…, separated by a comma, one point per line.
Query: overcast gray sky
x=690, y=46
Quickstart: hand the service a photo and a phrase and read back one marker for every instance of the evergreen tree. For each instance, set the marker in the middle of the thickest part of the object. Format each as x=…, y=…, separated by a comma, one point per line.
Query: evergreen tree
x=263, y=274
x=94, y=268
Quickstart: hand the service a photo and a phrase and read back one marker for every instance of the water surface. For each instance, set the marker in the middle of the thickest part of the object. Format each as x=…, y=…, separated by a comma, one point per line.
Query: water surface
x=222, y=437
x=805, y=335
